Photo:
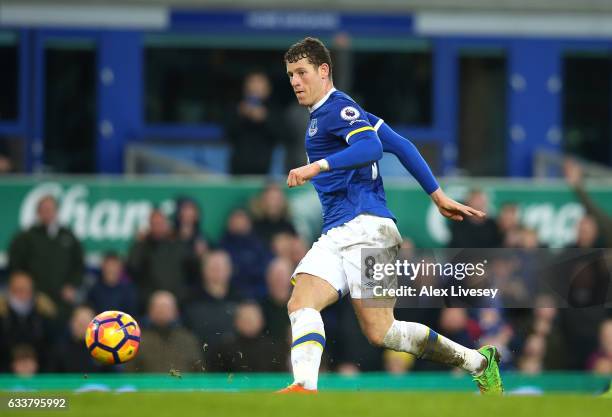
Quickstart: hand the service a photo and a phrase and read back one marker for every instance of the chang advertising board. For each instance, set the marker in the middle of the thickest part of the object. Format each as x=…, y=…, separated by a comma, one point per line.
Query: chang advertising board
x=107, y=213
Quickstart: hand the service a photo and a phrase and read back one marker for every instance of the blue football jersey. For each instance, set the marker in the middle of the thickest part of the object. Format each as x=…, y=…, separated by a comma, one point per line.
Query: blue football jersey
x=344, y=194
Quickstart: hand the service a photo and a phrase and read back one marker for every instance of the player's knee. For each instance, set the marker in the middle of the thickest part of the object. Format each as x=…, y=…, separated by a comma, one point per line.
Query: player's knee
x=375, y=335
x=293, y=305
x=296, y=303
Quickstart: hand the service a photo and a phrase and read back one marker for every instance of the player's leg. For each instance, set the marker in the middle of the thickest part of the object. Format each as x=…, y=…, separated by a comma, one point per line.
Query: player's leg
x=310, y=291
x=311, y=294
x=381, y=329
x=375, y=316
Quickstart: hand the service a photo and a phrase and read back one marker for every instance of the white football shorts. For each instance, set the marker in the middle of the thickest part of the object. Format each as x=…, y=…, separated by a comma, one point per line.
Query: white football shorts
x=336, y=255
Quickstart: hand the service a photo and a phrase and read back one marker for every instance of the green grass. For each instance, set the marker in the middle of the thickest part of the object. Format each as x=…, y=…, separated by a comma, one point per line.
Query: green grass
x=336, y=404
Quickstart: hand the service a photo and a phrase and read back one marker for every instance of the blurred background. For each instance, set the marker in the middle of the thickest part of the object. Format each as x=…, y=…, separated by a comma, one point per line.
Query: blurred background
x=144, y=148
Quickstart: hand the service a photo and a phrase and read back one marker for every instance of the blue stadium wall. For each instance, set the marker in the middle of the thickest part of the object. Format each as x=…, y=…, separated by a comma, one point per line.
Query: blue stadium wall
x=533, y=46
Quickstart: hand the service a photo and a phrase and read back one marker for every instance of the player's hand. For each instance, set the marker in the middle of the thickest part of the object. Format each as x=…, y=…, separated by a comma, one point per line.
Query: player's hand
x=452, y=209
x=299, y=176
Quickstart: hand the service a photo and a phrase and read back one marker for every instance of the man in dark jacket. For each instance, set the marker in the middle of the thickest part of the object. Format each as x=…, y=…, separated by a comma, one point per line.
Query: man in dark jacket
x=475, y=232
x=249, y=350
x=51, y=254
x=159, y=261
x=166, y=345
x=26, y=318
x=70, y=353
x=210, y=308
x=112, y=291
x=249, y=255
x=255, y=128
x=574, y=177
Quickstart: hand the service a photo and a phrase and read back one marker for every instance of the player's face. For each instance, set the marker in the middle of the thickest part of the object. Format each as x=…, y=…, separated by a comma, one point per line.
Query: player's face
x=307, y=81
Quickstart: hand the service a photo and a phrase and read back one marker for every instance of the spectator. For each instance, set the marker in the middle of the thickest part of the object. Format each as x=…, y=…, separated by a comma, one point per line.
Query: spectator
x=579, y=329
x=112, y=291
x=545, y=323
x=248, y=253
x=544, y=315
x=587, y=233
x=159, y=261
x=397, y=363
x=350, y=352
x=51, y=254
x=532, y=358
x=296, y=122
x=407, y=245
x=455, y=324
x=600, y=361
x=6, y=165
x=255, y=127
x=24, y=361
x=475, y=232
x=187, y=224
x=210, y=310
x=298, y=250
x=274, y=306
x=495, y=330
x=271, y=214
x=574, y=177
x=26, y=318
x=169, y=346
x=508, y=218
x=584, y=270
x=70, y=354
x=290, y=247
x=509, y=225
x=249, y=350
x=585, y=267
x=511, y=275
x=529, y=238
x=187, y=227
x=513, y=238
x=348, y=369
x=283, y=246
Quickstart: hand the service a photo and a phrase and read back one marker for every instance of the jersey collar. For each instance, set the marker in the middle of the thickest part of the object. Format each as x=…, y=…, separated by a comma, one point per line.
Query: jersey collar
x=323, y=100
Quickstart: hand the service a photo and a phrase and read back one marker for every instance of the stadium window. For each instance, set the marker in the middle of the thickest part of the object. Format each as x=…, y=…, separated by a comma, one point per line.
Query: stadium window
x=406, y=79
x=199, y=83
x=587, y=106
x=482, y=112
x=70, y=105
x=9, y=78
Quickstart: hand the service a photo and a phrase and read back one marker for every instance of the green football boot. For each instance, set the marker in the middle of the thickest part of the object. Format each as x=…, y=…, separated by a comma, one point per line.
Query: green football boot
x=489, y=381
x=608, y=392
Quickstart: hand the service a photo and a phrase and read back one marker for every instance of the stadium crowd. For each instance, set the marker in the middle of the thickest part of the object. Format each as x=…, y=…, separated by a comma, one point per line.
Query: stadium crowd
x=208, y=306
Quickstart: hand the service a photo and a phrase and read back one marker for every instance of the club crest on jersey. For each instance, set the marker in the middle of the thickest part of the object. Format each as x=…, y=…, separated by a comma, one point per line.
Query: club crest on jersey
x=312, y=129
x=349, y=113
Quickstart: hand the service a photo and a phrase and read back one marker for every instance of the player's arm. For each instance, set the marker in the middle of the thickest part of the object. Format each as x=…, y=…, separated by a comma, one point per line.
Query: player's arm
x=362, y=151
x=364, y=147
x=406, y=152
x=411, y=159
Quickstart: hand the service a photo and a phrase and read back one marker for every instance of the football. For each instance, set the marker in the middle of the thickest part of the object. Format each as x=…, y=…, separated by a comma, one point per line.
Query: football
x=113, y=337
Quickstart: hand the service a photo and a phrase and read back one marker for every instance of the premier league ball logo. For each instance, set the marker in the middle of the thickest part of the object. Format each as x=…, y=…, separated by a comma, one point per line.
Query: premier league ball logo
x=349, y=113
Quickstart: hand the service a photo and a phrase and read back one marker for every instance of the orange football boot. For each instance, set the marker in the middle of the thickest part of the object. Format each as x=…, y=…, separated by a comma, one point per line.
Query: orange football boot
x=296, y=389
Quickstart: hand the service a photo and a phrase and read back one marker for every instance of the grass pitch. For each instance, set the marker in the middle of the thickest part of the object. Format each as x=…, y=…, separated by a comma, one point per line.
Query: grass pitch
x=336, y=404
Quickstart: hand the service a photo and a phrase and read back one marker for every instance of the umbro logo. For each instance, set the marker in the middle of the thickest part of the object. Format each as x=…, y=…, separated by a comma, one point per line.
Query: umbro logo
x=312, y=129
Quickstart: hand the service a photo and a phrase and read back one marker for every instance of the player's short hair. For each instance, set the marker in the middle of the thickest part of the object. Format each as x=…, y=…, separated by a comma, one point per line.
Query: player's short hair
x=312, y=49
